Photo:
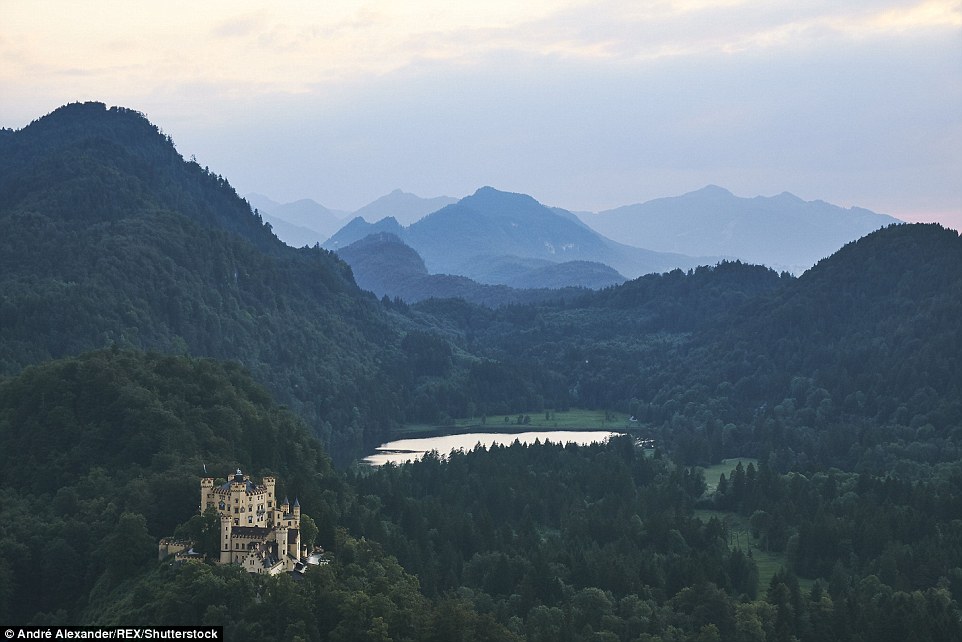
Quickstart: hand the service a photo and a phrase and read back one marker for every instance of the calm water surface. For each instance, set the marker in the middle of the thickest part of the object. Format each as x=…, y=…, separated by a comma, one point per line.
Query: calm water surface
x=404, y=450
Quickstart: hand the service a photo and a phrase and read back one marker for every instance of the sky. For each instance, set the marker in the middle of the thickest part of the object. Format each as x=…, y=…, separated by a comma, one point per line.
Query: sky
x=583, y=105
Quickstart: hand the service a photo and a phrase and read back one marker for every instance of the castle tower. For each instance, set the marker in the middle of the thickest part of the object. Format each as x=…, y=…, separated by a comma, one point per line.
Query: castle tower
x=270, y=483
x=297, y=513
x=226, y=525
x=206, y=490
x=281, y=538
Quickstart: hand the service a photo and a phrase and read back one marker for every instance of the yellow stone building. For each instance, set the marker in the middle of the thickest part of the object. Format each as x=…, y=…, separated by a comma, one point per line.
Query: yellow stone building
x=256, y=531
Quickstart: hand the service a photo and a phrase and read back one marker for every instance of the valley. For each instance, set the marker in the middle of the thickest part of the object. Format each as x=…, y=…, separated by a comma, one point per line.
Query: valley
x=804, y=481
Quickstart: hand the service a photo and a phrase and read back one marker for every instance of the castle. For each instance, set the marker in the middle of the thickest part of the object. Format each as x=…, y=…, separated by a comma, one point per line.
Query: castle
x=256, y=531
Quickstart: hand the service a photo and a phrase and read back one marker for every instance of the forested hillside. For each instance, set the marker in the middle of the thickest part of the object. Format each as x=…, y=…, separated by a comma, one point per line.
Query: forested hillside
x=111, y=238
x=735, y=359
x=114, y=239
x=101, y=455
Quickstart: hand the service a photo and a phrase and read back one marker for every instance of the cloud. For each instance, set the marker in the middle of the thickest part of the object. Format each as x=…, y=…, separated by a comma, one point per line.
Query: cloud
x=595, y=103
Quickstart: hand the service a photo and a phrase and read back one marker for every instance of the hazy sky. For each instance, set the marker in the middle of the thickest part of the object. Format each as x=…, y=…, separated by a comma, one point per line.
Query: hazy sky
x=584, y=105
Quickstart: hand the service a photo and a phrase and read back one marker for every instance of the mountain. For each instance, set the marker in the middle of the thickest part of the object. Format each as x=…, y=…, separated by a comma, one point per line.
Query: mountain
x=111, y=238
x=459, y=238
x=584, y=274
x=300, y=223
x=465, y=237
x=384, y=265
x=841, y=366
x=293, y=235
x=403, y=207
x=782, y=231
x=358, y=228
x=261, y=202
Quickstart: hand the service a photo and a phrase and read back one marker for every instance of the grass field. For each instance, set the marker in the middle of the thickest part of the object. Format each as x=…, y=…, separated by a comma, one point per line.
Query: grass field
x=574, y=419
x=741, y=537
x=714, y=473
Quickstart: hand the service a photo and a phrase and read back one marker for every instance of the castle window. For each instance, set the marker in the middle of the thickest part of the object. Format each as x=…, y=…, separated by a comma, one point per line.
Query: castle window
x=236, y=522
x=235, y=510
x=222, y=505
x=250, y=520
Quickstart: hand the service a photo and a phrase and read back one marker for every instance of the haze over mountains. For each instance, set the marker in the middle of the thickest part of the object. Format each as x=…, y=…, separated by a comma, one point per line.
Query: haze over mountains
x=783, y=232
x=499, y=238
x=307, y=222
x=383, y=264
x=404, y=207
x=299, y=223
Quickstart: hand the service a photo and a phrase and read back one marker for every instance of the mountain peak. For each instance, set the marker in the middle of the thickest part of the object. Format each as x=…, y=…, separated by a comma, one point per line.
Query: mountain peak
x=407, y=208
x=712, y=190
x=783, y=231
x=488, y=196
x=76, y=122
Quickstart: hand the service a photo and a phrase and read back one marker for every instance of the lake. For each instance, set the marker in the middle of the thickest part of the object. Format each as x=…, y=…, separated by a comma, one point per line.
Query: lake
x=404, y=450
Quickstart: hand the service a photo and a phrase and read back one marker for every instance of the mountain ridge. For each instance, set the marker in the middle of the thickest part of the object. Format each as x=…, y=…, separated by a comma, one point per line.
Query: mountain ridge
x=782, y=231
x=404, y=207
x=383, y=264
x=459, y=238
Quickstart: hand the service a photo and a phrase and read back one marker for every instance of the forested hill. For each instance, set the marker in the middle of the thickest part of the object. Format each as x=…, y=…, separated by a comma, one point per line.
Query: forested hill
x=85, y=441
x=111, y=238
x=846, y=366
x=879, y=316
x=862, y=350
x=101, y=455
x=92, y=165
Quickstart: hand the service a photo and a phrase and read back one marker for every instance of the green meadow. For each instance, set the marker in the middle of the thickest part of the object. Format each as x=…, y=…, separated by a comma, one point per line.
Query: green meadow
x=572, y=419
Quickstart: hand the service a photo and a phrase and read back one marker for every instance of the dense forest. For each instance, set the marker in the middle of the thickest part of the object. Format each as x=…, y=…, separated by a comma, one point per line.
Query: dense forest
x=152, y=325
x=853, y=365
x=102, y=454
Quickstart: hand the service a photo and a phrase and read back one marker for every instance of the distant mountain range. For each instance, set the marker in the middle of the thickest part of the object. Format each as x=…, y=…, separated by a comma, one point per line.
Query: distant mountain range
x=404, y=207
x=499, y=238
x=307, y=222
x=483, y=233
x=300, y=223
x=783, y=232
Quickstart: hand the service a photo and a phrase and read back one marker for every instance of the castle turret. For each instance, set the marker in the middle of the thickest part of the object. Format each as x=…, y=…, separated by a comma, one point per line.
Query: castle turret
x=226, y=525
x=270, y=483
x=206, y=493
x=297, y=513
x=281, y=537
